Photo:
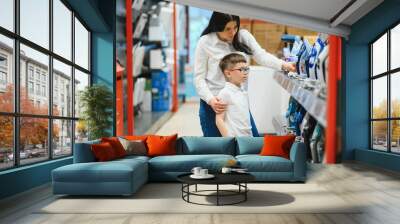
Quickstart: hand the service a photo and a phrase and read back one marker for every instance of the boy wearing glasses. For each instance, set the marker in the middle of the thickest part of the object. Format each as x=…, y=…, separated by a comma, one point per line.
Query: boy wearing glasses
x=235, y=121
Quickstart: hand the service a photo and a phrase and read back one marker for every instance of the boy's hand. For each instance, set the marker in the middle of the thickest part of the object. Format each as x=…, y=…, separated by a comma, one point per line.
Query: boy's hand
x=217, y=105
x=290, y=67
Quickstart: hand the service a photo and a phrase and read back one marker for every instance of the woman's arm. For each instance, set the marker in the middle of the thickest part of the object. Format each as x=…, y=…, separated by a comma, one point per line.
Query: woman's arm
x=200, y=71
x=261, y=56
x=220, y=122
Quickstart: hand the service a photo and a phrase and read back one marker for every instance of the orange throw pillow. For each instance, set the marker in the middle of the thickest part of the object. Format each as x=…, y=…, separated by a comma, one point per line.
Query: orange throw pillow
x=277, y=145
x=136, y=137
x=161, y=145
x=103, y=152
x=116, y=145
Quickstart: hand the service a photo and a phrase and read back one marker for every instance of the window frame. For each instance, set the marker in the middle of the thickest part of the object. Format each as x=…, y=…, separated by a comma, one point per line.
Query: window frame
x=16, y=114
x=388, y=74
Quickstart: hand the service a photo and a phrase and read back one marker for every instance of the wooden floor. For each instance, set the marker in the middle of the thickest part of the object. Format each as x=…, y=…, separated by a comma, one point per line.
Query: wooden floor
x=378, y=189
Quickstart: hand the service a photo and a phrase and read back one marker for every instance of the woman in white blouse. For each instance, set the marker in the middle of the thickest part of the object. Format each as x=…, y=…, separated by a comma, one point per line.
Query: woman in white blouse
x=221, y=37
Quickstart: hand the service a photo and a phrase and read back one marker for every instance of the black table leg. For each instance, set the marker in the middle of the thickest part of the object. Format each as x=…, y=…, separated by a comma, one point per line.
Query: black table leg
x=188, y=190
x=196, y=188
x=217, y=194
x=245, y=193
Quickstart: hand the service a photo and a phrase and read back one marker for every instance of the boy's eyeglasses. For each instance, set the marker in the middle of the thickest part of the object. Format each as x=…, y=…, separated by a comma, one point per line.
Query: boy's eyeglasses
x=242, y=69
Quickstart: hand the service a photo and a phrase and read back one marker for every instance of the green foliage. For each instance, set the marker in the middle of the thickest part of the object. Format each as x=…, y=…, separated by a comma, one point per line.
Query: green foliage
x=380, y=127
x=96, y=102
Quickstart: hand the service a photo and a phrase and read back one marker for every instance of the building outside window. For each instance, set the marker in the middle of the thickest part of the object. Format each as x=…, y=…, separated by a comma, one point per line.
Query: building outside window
x=43, y=77
x=3, y=61
x=30, y=87
x=61, y=127
x=37, y=74
x=38, y=89
x=3, y=78
x=385, y=92
x=3, y=70
x=30, y=72
x=43, y=90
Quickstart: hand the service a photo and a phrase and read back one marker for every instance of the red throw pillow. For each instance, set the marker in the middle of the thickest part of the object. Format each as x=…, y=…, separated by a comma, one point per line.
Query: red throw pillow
x=161, y=145
x=136, y=137
x=277, y=145
x=103, y=152
x=116, y=145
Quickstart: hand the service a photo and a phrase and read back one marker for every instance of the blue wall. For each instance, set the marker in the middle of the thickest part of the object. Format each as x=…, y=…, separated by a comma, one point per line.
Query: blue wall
x=99, y=16
x=356, y=83
x=24, y=178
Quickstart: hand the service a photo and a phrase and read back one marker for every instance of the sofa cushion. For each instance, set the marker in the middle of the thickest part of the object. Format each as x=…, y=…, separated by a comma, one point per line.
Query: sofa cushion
x=134, y=147
x=185, y=163
x=161, y=145
x=112, y=171
x=191, y=145
x=83, y=152
x=133, y=157
x=277, y=145
x=103, y=152
x=257, y=163
x=116, y=145
x=249, y=145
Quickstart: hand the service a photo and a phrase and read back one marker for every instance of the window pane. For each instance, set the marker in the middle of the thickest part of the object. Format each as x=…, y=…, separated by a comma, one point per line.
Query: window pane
x=33, y=139
x=81, y=45
x=34, y=78
x=81, y=131
x=395, y=47
x=35, y=21
x=395, y=95
x=379, y=55
x=6, y=74
x=6, y=142
x=62, y=138
x=62, y=89
x=62, y=29
x=379, y=100
x=7, y=14
x=81, y=81
x=395, y=136
x=379, y=135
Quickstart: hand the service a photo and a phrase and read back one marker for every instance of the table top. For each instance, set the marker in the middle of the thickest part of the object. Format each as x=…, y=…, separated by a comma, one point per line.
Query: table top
x=220, y=178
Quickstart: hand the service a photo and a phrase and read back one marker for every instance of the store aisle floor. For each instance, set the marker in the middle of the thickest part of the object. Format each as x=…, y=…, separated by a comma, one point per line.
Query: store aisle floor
x=185, y=122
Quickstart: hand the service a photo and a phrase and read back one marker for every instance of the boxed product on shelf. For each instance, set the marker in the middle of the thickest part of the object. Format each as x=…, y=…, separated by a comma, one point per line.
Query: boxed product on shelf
x=161, y=90
x=147, y=96
x=156, y=33
x=137, y=4
x=156, y=59
x=140, y=25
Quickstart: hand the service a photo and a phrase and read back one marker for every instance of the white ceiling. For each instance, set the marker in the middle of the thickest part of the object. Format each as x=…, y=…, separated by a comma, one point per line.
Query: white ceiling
x=321, y=9
x=316, y=15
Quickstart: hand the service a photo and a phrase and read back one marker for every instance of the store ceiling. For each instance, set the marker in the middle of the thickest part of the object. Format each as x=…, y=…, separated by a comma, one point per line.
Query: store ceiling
x=327, y=16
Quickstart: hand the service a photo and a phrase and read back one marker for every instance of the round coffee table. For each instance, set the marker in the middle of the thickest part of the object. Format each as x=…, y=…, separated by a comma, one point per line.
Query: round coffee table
x=238, y=179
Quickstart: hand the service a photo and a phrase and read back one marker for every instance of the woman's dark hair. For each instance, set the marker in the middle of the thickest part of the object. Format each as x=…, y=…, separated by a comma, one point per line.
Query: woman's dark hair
x=218, y=22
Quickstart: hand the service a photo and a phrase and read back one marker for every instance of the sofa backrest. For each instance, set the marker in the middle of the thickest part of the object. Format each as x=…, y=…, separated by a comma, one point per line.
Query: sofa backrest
x=83, y=152
x=249, y=145
x=192, y=145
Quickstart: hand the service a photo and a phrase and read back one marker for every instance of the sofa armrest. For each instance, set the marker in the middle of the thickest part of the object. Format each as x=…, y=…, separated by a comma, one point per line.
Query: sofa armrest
x=83, y=152
x=298, y=157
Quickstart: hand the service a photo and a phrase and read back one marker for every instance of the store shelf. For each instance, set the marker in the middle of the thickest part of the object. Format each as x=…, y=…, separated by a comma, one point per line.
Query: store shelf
x=312, y=103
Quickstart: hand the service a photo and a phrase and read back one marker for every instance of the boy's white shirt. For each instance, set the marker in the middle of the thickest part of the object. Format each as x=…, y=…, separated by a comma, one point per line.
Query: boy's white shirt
x=208, y=78
x=237, y=115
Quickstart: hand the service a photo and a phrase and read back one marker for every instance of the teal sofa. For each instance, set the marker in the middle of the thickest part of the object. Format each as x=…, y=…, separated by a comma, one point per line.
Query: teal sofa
x=125, y=176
